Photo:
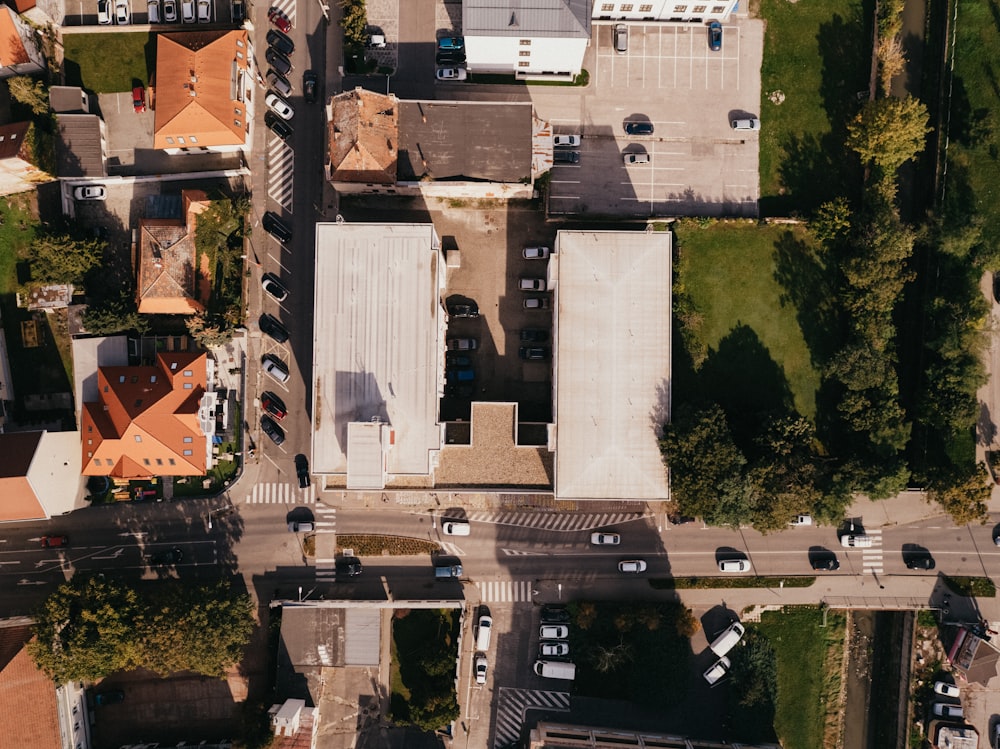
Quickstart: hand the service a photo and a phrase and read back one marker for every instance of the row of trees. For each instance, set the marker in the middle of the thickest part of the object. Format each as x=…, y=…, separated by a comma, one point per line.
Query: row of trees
x=94, y=626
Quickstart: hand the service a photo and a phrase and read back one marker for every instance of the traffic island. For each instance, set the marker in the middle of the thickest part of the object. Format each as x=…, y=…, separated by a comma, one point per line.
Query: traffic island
x=678, y=583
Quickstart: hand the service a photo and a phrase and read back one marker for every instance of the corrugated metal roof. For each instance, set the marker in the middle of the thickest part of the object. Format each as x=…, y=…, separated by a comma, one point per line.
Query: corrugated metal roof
x=612, y=358
x=80, y=146
x=378, y=341
x=526, y=18
x=362, y=630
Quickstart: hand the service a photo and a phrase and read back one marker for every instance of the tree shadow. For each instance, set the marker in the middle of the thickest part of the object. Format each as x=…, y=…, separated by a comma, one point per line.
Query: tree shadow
x=815, y=169
x=845, y=47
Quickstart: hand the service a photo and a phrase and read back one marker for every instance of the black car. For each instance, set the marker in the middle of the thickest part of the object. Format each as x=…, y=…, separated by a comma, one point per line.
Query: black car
x=639, y=128
x=278, y=61
x=566, y=157
x=276, y=227
x=830, y=564
x=111, y=697
x=534, y=335
x=270, y=325
x=460, y=389
x=272, y=430
x=554, y=615
x=450, y=57
x=349, y=566
x=310, y=81
x=921, y=562
x=457, y=359
x=281, y=42
x=463, y=310
x=173, y=555
x=302, y=470
x=533, y=353
x=239, y=11
x=277, y=125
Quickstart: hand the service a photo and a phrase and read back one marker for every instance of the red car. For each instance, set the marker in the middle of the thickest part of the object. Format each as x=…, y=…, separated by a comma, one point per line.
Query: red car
x=51, y=542
x=139, y=99
x=273, y=405
x=279, y=19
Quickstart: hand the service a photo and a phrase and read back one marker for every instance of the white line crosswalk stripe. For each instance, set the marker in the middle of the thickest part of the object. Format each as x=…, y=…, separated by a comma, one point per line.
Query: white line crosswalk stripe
x=280, y=172
x=557, y=522
x=505, y=591
x=272, y=493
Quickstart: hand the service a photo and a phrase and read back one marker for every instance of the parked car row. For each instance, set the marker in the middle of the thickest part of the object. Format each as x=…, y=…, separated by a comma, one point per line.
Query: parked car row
x=191, y=11
x=553, y=633
x=459, y=373
x=451, y=57
x=720, y=647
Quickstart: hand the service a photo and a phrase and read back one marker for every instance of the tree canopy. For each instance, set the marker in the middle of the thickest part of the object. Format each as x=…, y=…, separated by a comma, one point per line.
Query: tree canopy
x=889, y=132
x=33, y=94
x=60, y=258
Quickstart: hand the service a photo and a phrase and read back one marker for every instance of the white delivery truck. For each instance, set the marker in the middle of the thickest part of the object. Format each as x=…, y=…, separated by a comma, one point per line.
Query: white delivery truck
x=483, y=633
x=555, y=670
x=728, y=639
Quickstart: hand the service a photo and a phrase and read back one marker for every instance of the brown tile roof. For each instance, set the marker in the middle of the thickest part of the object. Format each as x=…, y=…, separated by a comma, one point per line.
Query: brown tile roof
x=28, y=711
x=12, y=50
x=145, y=420
x=199, y=79
x=12, y=141
x=166, y=277
x=364, y=137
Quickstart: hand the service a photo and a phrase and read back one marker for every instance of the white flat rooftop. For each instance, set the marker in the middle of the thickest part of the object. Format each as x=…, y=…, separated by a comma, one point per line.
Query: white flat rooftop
x=612, y=357
x=377, y=335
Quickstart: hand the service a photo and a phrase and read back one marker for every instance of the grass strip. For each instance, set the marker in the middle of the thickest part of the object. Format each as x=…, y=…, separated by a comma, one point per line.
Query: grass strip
x=375, y=545
x=679, y=583
x=972, y=587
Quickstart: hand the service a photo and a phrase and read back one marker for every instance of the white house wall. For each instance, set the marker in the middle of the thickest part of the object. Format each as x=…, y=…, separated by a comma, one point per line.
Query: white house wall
x=664, y=10
x=507, y=54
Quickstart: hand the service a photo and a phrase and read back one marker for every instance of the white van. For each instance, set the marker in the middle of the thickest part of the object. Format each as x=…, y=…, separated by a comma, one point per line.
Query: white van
x=728, y=639
x=856, y=542
x=555, y=670
x=483, y=632
x=456, y=528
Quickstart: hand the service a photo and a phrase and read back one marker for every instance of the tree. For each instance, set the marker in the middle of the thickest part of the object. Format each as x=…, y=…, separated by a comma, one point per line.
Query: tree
x=832, y=221
x=963, y=494
x=355, y=21
x=889, y=132
x=786, y=472
x=33, y=94
x=59, y=258
x=207, y=333
x=610, y=658
x=114, y=316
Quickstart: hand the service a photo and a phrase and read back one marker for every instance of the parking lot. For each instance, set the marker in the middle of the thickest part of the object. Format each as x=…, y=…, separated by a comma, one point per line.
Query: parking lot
x=84, y=13
x=669, y=77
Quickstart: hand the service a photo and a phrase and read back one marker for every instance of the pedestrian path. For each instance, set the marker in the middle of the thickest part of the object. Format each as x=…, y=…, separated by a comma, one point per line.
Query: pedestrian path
x=561, y=522
x=504, y=591
x=512, y=706
x=871, y=558
x=280, y=172
x=274, y=493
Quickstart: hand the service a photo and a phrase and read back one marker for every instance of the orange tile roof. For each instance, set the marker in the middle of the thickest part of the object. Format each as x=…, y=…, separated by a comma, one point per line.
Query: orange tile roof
x=12, y=51
x=18, y=500
x=166, y=267
x=28, y=710
x=200, y=76
x=145, y=420
x=364, y=137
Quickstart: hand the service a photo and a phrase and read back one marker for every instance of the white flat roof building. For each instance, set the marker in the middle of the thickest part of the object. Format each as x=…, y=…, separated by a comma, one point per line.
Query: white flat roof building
x=612, y=363
x=378, y=333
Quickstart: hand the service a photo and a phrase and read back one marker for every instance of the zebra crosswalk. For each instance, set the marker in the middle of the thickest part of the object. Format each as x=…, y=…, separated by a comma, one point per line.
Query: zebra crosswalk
x=274, y=493
x=871, y=558
x=288, y=7
x=325, y=561
x=280, y=172
x=504, y=591
x=512, y=706
x=559, y=522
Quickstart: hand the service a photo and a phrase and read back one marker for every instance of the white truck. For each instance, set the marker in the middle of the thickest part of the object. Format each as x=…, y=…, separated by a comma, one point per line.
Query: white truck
x=555, y=670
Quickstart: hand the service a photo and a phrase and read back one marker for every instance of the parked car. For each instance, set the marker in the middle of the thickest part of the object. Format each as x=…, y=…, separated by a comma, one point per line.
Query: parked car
x=462, y=344
x=531, y=284
x=632, y=565
x=279, y=41
x=278, y=61
x=274, y=367
x=481, y=667
x=279, y=106
x=271, y=326
x=535, y=253
x=566, y=141
x=554, y=615
x=54, y=542
x=920, y=562
x=944, y=710
x=173, y=555
x=187, y=10
x=996, y=536
x=375, y=41
x=748, y=123
x=603, y=538
x=279, y=20
x=90, y=192
x=123, y=15
x=276, y=227
x=310, y=82
x=639, y=128
x=537, y=303
x=139, y=99
x=717, y=670
x=277, y=125
x=715, y=36
x=457, y=359
x=451, y=74
x=534, y=335
x=734, y=565
x=273, y=405
x=636, y=158
x=463, y=310
x=204, y=11
x=300, y=526
x=270, y=427
x=350, y=566
x=621, y=38
x=553, y=632
x=553, y=649
x=996, y=736
x=451, y=42
x=273, y=286
x=460, y=389
x=110, y=697
x=170, y=11
x=153, y=11
x=450, y=57
x=826, y=563
x=533, y=353
x=565, y=157
x=460, y=374
x=104, y=16
x=239, y=11
x=945, y=689
x=801, y=520
x=279, y=83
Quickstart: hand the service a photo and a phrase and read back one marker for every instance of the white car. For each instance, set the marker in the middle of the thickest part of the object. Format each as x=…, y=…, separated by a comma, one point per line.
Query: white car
x=734, y=565
x=279, y=106
x=481, y=669
x=455, y=528
x=204, y=11
x=104, y=12
x=540, y=303
x=718, y=669
x=531, y=284
x=553, y=632
x=632, y=565
x=153, y=11
x=945, y=689
x=451, y=74
x=123, y=15
x=635, y=158
x=187, y=10
x=566, y=141
x=276, y=369
x=801, y=520
x=943, y=710
x=605, y=539
x=535, y=253
x=170, y=11
x=550, y=649
x=90, y=192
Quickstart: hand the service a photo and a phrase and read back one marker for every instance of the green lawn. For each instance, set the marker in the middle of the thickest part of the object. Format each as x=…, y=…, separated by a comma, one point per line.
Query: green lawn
x=815, y=54
x=808, y=660
x=106, y=63
x=728, y=272
x=17, y=229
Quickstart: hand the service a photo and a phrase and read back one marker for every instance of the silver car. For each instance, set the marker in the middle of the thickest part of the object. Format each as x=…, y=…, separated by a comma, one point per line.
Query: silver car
x=553, y=632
